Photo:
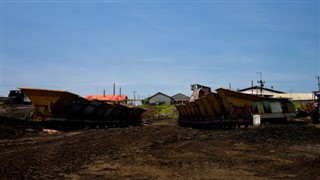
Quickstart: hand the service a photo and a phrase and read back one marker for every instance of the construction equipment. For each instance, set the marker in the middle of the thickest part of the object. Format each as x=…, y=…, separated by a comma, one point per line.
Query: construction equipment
x=305, y=109
x=316, y=111
x=62, y=107
x=274, y=109
x=227, y=108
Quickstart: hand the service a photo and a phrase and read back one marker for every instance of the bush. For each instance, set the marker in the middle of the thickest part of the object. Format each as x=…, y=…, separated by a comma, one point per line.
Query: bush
x=161, y=112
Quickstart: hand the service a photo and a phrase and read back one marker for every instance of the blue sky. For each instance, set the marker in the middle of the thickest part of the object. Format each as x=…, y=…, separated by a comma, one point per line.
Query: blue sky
x=150, y=46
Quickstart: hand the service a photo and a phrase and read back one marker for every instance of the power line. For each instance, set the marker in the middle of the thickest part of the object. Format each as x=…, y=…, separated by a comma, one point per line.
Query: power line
x=261, y=82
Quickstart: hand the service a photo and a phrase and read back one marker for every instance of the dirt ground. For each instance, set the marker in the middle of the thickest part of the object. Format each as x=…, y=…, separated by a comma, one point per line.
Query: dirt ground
x=160, y=149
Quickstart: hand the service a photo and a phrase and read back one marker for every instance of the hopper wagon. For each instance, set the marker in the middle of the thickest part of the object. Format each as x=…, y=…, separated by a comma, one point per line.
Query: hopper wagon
x=64, y=109
x=229, y=109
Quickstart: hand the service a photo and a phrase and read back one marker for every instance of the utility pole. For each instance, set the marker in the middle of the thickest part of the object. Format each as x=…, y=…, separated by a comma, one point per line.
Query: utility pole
x=134, y=98
x=251, y=87
x=261, y=82
x=318, y=77
x=315, y=114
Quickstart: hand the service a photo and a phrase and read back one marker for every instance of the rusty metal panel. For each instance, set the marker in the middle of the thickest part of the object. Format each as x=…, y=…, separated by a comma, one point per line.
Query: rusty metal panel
x=232, y=98
x=232, y=108
x=201, y=104
x=50, y=105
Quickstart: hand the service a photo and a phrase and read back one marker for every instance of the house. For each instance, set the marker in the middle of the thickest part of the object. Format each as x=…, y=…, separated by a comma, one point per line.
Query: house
x=257, y=90
x=159, y=99
x=180, y=98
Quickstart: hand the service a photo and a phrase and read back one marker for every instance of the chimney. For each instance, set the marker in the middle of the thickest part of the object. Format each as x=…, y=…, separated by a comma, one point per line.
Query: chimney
x=120, y=91
x=104, y=93
x=114, y=88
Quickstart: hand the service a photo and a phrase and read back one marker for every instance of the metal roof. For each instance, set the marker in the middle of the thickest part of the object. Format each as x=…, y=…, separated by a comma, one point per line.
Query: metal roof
x=180, y=97
x=160, y=94
x=295, y=96
x=257, y=87
x=107, y=97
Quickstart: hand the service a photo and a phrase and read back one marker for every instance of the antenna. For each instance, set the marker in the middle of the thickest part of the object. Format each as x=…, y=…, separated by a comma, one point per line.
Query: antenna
x=261, y=82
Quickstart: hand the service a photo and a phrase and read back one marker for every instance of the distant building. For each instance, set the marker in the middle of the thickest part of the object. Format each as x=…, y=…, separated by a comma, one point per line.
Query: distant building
x=256, y=90
x=160, y=99
x=180, y=98
x=295, y=98
x=109, y=98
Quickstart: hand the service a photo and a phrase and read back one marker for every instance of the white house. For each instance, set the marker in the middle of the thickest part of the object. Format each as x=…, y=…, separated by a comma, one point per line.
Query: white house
x=160, y=98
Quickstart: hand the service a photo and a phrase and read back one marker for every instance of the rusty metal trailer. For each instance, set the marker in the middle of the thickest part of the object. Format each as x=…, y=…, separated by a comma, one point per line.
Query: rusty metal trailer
x=228, y=109
x=65, y=108
x=222, y=109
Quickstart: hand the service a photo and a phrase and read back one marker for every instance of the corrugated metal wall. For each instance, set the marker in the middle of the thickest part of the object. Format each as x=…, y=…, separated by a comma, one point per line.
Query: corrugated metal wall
x=160, y=99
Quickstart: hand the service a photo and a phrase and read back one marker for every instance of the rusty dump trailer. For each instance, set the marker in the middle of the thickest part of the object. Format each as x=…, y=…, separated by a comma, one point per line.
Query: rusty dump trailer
x=65, y=108
x=228, y=109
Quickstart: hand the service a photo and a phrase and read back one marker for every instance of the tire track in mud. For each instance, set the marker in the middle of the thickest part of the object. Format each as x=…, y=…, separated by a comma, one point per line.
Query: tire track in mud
x=164, y=150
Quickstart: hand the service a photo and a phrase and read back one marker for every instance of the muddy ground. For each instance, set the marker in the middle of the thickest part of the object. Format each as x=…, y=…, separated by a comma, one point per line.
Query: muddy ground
x=160, y=149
